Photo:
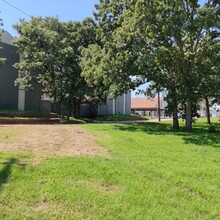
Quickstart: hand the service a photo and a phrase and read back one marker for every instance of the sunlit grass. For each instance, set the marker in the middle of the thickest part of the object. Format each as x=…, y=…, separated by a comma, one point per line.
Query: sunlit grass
x=150, y=172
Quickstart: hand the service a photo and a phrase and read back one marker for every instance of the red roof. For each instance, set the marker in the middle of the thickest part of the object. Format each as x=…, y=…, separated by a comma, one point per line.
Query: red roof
x=144, y=103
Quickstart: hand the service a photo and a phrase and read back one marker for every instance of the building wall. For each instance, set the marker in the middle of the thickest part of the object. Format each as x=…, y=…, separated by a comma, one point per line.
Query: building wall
x=215, y=113
x=105, y=108
x=147, y=112
x=8, y=74
x=120, y=106
x=128, y=104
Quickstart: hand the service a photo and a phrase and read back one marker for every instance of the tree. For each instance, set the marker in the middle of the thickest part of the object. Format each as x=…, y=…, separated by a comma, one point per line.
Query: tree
x=104, y=68
x=125, y=53
x=51, y=54
x=180, y=34
x=174, y=37
x=209, y=85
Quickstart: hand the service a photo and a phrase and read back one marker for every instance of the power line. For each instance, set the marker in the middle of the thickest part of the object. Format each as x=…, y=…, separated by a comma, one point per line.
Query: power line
x=17, y=8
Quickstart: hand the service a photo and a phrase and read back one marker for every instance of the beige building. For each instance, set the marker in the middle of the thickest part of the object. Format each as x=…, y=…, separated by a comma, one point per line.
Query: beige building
x=148, y=107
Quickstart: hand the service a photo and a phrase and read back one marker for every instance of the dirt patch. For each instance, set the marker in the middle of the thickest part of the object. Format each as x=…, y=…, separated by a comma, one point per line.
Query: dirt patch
x=48, y=140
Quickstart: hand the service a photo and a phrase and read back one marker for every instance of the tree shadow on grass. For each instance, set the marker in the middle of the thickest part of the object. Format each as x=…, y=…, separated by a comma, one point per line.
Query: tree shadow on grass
x=203, y=139
x=5, y=172
x=199, y=136
x=149, y=127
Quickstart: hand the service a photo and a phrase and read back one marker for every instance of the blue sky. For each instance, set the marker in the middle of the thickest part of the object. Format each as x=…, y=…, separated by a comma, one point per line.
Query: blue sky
x=66, y=10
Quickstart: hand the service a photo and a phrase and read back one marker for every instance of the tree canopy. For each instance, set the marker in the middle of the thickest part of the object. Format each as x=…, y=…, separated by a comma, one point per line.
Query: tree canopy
x=167, y=42
x=51, y=54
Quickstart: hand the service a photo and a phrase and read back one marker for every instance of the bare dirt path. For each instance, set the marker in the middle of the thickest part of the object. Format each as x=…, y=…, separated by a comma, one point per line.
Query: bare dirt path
x=48, y=140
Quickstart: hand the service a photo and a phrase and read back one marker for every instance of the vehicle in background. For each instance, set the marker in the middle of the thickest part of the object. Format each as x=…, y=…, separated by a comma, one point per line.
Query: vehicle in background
x=182, y=115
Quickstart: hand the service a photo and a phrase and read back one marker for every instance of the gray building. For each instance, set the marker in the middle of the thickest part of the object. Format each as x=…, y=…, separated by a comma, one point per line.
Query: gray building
x=119, y=106
x=14, y=98
x=8, y=74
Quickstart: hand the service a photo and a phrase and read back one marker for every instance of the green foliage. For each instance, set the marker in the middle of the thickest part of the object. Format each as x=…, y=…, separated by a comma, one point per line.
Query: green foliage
x=167, y=42
x=51, y=54
x=102, y=65
x=180, y=36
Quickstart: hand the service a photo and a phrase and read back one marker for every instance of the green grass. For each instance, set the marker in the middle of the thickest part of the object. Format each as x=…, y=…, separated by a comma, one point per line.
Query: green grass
x=121, y=117
x=150, y=173
x=113, y=118
x=73, y=120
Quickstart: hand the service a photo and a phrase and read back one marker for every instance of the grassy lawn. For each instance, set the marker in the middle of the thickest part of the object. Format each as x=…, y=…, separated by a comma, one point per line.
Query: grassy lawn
x=104, y=118
x=122, y=117
x=149, y=172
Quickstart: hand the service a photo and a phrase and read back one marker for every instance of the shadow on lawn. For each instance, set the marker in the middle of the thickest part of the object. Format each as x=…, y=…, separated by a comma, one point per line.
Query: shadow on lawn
x=202, y=139
x=149, y=127
x=5, y=172
x=199, y=136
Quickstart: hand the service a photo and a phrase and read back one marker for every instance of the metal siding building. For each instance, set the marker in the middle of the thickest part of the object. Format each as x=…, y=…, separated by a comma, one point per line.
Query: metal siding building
x=8, y=74
x=119, y=106
x=11, y=97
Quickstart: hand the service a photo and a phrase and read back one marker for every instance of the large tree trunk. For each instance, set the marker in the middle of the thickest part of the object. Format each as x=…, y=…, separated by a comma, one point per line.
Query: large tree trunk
x=69, y=113
x=207, y=110
x=174, y=101
x=175, y=113
x=158, y=93
x=69, y=109
x=175, y=118
x=188, y=115
x=175, y=109
x=61, y=110
x=76, y=109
